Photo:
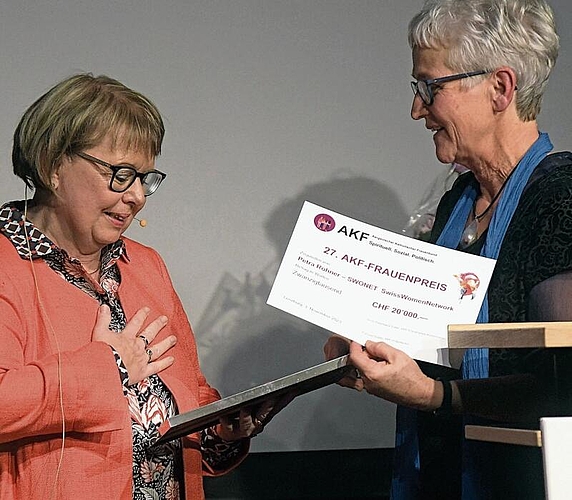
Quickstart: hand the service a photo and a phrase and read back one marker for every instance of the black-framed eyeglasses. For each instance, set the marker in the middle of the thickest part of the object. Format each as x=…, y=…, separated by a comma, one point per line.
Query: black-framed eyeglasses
x=123, y=177
x=425, y=87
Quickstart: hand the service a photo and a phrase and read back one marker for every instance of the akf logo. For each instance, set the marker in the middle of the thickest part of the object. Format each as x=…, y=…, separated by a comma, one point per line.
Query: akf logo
x=324, y=222
x=468, y=283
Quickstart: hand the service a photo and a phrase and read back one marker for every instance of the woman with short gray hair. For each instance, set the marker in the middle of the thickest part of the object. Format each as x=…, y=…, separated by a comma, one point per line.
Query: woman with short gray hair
x=480, y=68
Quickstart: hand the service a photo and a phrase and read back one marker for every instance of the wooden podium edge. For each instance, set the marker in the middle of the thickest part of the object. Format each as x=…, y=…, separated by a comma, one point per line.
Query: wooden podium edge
x=510, y=335
x=521, y=437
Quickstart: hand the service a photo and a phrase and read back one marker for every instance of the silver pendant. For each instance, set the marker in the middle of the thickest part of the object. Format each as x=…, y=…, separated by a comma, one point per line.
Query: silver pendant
x=469, y=235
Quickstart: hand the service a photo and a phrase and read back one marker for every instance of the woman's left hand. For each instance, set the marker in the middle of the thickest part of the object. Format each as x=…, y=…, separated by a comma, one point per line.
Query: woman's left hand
x=391, y=374
x=236, y=427
x=251, y=421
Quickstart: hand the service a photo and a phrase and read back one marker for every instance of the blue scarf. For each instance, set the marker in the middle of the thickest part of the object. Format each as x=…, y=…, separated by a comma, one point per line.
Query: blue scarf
x=476, y=361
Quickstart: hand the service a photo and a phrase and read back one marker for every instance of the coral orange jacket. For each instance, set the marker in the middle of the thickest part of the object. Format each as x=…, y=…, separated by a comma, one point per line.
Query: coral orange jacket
x=56, y=382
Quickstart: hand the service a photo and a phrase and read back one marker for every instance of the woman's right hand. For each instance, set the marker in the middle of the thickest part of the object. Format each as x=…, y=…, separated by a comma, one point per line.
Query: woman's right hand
x=335, y=347
x=140, y=359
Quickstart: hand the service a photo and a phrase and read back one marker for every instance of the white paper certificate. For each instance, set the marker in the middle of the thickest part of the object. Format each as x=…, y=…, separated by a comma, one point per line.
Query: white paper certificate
x=366, y=283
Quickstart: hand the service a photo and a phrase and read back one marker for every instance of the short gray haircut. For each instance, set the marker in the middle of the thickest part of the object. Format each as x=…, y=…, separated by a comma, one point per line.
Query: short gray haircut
x=488, y=34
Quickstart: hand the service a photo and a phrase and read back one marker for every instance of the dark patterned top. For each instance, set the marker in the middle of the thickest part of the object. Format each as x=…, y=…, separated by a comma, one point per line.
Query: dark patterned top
x=157, y=470
x=537, y=246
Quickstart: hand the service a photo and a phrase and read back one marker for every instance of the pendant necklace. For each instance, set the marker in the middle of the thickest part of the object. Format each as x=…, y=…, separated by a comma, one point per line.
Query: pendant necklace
x=91, y=274
x=470, y=234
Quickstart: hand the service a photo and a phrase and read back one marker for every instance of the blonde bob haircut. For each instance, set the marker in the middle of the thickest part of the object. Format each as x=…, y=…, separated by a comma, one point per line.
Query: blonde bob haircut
x=77, y=114
x=489, y=34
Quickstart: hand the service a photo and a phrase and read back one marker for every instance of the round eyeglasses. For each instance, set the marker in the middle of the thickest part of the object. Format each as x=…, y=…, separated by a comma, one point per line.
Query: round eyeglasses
x=425, y=88
x=123, y=177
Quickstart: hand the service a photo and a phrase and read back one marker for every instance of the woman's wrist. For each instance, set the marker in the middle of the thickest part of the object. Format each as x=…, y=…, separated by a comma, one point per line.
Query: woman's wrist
x=221, y=433
x=446, y=406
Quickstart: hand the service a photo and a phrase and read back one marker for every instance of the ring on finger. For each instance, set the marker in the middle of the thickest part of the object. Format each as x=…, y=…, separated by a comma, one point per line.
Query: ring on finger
x=144, y=339
x=149, y=355
x=257, y=422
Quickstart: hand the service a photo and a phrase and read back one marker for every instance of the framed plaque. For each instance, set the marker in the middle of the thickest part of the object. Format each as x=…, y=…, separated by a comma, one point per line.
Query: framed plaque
x=297, y=383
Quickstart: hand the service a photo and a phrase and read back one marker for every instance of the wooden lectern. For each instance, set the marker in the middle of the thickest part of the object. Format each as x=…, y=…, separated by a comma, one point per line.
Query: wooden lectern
x=554, y=434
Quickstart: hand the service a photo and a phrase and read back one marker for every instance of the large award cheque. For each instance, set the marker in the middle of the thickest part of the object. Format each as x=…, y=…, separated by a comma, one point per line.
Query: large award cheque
x=366, y=283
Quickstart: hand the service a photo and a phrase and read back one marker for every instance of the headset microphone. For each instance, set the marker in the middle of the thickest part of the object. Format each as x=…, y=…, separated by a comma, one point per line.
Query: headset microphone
x=142, y=222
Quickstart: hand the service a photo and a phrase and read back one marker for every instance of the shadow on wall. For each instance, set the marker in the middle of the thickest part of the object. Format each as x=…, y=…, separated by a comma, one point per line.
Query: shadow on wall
x=244, y=342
